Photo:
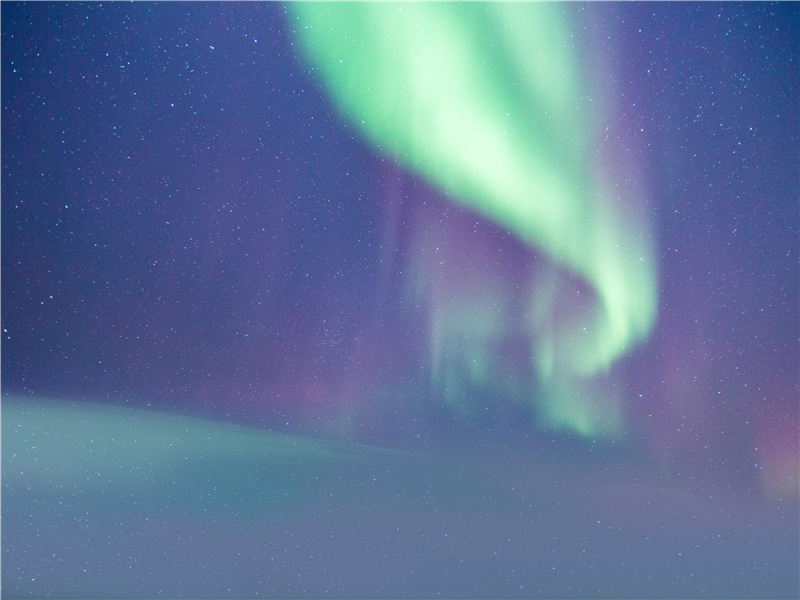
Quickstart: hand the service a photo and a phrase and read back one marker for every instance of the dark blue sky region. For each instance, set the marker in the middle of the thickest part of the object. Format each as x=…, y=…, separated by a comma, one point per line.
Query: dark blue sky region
x=192, y=224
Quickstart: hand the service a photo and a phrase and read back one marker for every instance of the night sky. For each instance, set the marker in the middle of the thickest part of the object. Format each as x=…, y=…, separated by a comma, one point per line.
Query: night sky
x=400, y=300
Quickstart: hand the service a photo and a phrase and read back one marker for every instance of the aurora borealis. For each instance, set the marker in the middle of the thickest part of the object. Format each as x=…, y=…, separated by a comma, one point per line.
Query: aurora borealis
x=478, y=111
x=394, y=299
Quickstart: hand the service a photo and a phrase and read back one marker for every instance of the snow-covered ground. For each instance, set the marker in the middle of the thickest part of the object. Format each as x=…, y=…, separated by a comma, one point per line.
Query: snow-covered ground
x=103, y=501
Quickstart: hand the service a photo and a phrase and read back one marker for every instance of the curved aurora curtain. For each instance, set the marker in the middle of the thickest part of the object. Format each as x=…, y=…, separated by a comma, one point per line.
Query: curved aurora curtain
x=487, y=102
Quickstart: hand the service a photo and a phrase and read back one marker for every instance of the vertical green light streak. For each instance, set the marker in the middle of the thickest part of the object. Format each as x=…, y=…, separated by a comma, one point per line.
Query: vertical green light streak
x=487, y=102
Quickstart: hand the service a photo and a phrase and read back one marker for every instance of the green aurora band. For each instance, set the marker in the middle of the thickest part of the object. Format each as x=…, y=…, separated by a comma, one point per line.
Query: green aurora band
x=487, y=102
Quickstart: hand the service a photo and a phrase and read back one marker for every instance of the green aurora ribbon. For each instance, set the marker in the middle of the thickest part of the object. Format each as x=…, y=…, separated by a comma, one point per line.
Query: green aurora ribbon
x=488, y=102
